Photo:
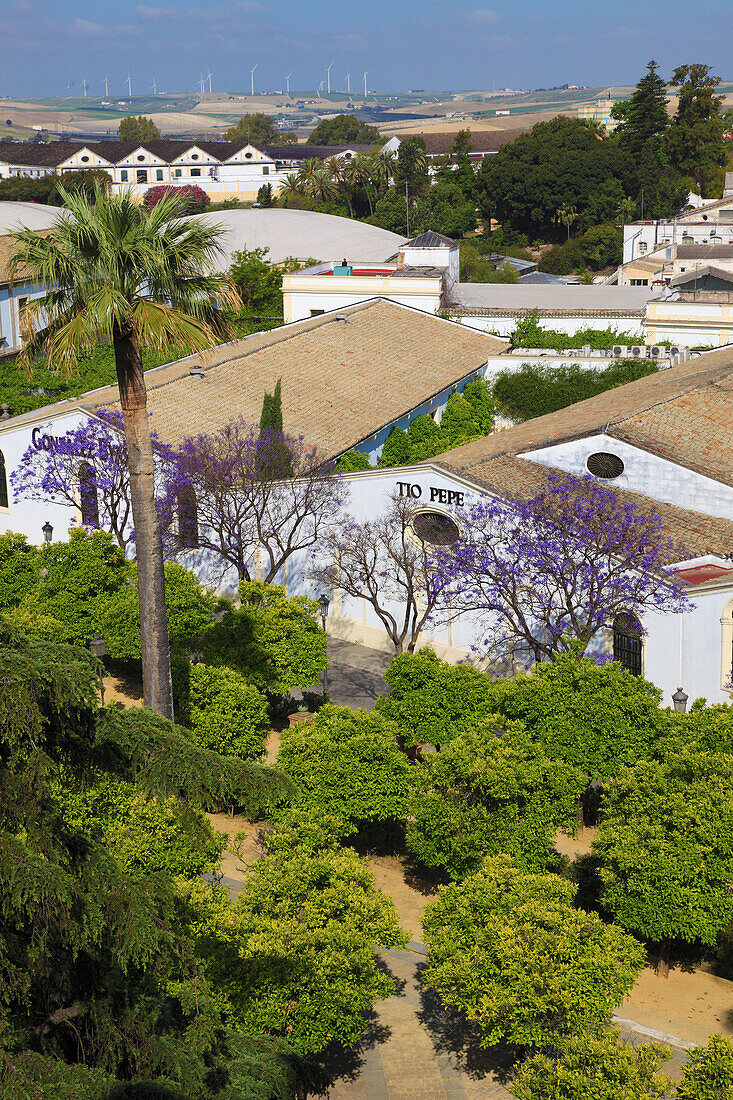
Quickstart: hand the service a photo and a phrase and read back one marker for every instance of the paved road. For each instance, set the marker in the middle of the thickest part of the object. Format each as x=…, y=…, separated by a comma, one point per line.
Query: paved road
x=355, y=674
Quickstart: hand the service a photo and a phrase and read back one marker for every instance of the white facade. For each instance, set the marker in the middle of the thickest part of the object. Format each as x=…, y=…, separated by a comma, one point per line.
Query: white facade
x=12, y=300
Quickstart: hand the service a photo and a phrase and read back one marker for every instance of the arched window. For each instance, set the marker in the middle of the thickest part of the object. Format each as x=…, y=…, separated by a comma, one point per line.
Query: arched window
x=3, y=483
x=627, y=636
x=188, y=520
x=88, y=499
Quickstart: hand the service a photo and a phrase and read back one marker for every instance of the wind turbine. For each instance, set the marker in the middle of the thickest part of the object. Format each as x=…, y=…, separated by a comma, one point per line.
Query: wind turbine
x=202, y=84
x=328, y=77
x=84, y=87
x=154, y=86
x=208, y=77
x=287, y=81
x=129, y=84
x=106, y=86
x=365, y=83
x=348, y=83
x=252, y=78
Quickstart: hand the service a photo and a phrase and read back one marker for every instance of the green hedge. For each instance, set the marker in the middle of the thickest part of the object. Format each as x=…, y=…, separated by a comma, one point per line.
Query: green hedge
x=530, y=334
x=534, y=390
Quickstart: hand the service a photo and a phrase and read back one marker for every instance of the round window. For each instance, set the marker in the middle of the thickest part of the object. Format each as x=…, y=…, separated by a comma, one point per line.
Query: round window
x=248, y=156
x=435, y=528
x=85, y=160
x=141, y=156
x=605, y=465
x=194, y=156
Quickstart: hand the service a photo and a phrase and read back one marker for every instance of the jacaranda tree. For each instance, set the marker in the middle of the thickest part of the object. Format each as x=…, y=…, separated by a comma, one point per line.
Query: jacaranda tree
x=88, y=465
x=114, y=271
x=547, y=573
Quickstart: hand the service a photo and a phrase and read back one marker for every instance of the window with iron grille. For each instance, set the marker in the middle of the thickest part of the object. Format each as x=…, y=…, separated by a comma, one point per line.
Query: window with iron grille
x=627, y=642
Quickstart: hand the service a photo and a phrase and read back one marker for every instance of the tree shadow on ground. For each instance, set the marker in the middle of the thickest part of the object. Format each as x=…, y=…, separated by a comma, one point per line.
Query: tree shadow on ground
x=346, y=1063
x=453, y=1034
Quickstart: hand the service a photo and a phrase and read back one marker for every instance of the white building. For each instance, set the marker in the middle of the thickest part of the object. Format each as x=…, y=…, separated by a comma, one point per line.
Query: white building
x=709, y=224
x=14, y=294
x=224, y=169
x=425, y=273
x=665, y=443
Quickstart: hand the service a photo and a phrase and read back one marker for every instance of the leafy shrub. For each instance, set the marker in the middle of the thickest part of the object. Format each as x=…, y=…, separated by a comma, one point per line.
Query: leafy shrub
x=596, y=1065
x=467, y=415
x=38, y=625
x=80, y=577
x=190, y=198
x=296, y=955
x=598, y=718
x=396, y=449
x=708, y=1072
x=347, y=764
x=537, y=390
x=20, y=568
x=190, y=611
x=275, y=642
x=491, y=790
x=352, y=461
x=145, y=835
x=530, y=334
x=432, y=701
x=224, y=712
x=510, y=951
x=665, y=845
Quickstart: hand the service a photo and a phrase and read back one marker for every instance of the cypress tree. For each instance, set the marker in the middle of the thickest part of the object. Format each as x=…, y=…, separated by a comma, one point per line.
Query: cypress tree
x=645, y=114
x=271, y=417
x=695, y=137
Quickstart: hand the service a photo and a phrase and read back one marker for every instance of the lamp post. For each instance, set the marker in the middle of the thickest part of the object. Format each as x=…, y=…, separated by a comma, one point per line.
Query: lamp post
x=323, y=602
x=98, y=649
x=679, y=701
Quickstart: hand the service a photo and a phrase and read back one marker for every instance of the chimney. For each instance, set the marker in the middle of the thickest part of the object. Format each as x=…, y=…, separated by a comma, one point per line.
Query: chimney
x=400, y=261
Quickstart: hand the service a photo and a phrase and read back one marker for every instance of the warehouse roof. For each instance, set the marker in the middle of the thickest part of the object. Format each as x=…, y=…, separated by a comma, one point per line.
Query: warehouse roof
x=301, y=233
x=569, y=297
x=342, y=380
x=683, y=414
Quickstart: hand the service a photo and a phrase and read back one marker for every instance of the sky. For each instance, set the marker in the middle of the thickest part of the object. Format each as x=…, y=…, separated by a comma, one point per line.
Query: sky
x=50, y=46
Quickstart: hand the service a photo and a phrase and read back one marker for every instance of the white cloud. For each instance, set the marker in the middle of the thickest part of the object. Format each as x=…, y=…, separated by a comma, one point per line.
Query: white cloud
x=90, y=30
x=146, y=12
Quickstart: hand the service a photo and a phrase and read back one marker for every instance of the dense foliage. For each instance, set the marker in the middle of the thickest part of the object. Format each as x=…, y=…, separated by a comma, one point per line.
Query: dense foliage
x=431, y=701
x=100, y=979
x=467, y=415
x=312, y=911
x=346, y=764
x=190, y=611
x=598, y=718
x=137, y=128
x=597, y=1065
x=528, y=333
x=708, y=1072
x=491, y=790
x=695, y=138
x=259, y=282
x=665, y=845
x=189, y=198
x=259, y=129
x=535, y=390
x=276, y=642
x=344, y=130
x=224, y=712
x=511, y=951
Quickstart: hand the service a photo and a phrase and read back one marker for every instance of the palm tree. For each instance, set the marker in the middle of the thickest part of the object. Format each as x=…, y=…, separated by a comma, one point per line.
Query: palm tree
x=626, y=210
x=361, y=174
x=338, y=167
x=291, y=187
x=308, y=169
x=384, y=165
x=114, y=271
x=567, y=215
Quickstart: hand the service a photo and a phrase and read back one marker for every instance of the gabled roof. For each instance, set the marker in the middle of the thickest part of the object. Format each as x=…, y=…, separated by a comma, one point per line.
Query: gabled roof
x=513, y=477
x=483, y=141
x=431, y=239
x=342, y=381
x=683, y=414
x=704, y=251
x=702, y=273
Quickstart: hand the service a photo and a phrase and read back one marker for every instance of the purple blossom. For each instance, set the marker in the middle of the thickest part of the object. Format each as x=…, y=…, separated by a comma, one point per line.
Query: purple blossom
x=547, y=574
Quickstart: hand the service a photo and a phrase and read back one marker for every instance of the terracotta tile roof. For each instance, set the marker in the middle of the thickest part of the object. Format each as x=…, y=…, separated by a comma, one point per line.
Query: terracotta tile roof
x=684, y=414
x=7, y=251
x=483, y=141
x=341, y=381
x=692, y=532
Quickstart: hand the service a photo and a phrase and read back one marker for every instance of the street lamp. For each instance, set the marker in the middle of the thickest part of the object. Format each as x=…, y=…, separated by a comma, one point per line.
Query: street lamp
x=98, y=649
x=679, y=700
x=323, y=602
x=47, y=531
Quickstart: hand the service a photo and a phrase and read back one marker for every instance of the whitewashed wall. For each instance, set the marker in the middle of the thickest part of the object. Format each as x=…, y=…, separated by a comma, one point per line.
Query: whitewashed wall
x=504, y=324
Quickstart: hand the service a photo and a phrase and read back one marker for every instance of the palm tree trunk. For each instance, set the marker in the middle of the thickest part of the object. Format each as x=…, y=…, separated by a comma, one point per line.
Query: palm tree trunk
x=155, y=646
